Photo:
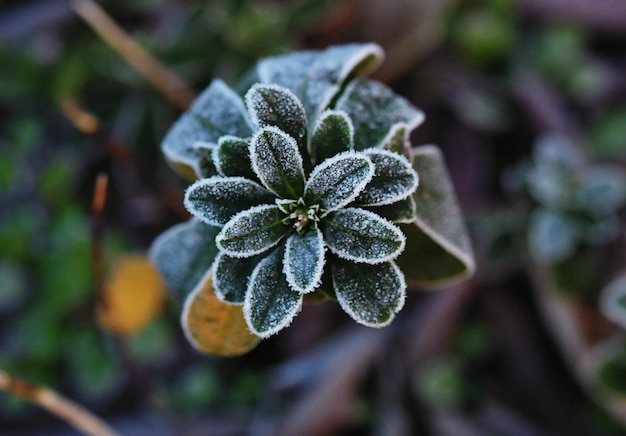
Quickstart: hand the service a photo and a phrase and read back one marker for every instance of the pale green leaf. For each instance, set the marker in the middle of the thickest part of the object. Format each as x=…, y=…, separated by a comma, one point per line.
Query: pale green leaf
x=370, y=294
x=316, y=77
x=393, y=180
x=332, y=135
x=215, y=200
x=270, y=303
x=184, y=254
x=253, y=231
x=304, y=260
x=277, y=162
x=230, y=277
x=218, y=111
x=338, y=180
x=438, y=248
x=274, y=105
x=375, y=111
x=362, y=236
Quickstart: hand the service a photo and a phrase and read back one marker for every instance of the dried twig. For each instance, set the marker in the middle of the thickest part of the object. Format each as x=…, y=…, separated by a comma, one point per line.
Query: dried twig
x=72, y=413
x=97, y=230
x=165, y=80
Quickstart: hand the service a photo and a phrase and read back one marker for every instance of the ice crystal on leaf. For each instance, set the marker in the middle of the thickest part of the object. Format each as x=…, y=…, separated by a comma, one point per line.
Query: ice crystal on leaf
x=306, y=178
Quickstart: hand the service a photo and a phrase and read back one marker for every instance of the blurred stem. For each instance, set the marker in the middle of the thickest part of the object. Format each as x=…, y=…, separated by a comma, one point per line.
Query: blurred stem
x=165, y=80
x=72, y=413
x=97, y=231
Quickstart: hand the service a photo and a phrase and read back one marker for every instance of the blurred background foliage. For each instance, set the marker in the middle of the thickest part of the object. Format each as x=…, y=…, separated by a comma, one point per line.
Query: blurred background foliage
x=527, y=99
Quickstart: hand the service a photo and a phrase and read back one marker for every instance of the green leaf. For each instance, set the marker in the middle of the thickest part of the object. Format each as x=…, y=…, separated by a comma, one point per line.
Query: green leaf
x=232, y=157
x=218, y=111
x=230, y=277
x=205, y=166
x=402, y=211
x=398, y=140
x=304, y=260
x=613, y=301
x=376, y=112
x=362, y=236
x=274, y=105
x=338, y=180
x=332, y=135
x=277, y=162
x=215, y=200
x=370, y=294
x=184, y=254
x=437, y=237
x=253, y=231
x=316, y=77
x=270, y=303
x=393, y=180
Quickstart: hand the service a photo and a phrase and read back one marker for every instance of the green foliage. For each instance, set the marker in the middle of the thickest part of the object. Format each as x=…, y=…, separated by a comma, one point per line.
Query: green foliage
x=324, y=145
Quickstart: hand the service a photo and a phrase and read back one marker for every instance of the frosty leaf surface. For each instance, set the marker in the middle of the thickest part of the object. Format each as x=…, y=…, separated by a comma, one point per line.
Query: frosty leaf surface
x=230, y=277
x=437, y=236
x=394, y=179
x=332, y=135
x=397, y=140
x=304, y=260
x=218, y=111
x=204, y=166
x=277, y=162
x=370, y=294
x=270, y=303
x=183, y=254
x=375, y=111
x=361, y=236
x=274, y=105
x=338, y=180
x=214, y=327
x=316, y=77
x=402, y=211
x=215, y=200
x=252, y=231
x=231, y=157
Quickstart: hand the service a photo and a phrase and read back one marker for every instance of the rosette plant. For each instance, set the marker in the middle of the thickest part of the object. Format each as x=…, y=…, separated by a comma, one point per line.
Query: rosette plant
x=303, y=182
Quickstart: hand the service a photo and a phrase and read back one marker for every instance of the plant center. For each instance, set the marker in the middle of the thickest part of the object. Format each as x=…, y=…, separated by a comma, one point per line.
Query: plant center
x=299, y=215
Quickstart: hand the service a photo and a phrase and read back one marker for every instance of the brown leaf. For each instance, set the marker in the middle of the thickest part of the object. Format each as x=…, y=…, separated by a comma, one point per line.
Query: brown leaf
x=215, y=327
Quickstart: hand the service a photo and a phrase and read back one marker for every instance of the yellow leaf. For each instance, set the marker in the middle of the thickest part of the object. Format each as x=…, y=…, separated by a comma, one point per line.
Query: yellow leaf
x=134, y=295
x=215, y=327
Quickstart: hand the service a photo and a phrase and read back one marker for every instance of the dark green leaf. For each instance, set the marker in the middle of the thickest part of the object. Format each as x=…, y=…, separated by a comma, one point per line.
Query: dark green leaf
x=393, y=180
x=232, y=157
x=231, y=275
x=402, y=211
x=333, y=135
x=370, y=294
x=304, y=260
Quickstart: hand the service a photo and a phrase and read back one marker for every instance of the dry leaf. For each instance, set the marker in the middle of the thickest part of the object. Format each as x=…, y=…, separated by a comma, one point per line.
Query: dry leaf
x=215, y=327
x=134, y=295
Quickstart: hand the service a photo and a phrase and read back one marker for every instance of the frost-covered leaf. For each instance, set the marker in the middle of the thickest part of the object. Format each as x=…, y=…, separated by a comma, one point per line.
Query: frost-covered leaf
x=231, y=157
x=274, y=105
x=613, y=301
x=218, y=111
x=362, y=236
x=270, y=303
x=394, y=179
x=552, y=236
x=217, y=199
x=332, y=135
x=402, y=211
x=316, y=77
x=252, y=231
x=437, y=237
x=604, y=189
x=338, y=180
x=375, y=111
x=370, y=294
x=304, y=260
x=397, y=140
x=277, y=162
x=205, y=167
x=134, y=295
x=183, y=254
x=214, y=327
x=230, y=277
